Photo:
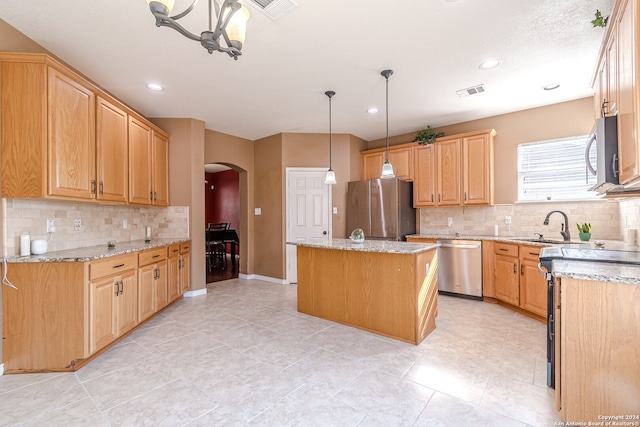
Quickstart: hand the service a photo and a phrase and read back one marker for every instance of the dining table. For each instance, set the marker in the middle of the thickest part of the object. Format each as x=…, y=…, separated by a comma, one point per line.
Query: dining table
x=227, y=237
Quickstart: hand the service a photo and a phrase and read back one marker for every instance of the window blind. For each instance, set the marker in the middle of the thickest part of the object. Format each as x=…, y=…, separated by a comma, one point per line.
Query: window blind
x=555, y=170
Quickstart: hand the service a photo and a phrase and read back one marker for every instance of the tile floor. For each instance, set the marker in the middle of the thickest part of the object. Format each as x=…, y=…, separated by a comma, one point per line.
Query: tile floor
x=243, y=355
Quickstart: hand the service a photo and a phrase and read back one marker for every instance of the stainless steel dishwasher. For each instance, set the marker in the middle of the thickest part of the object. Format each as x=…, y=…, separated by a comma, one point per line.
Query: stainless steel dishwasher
x=460, y=268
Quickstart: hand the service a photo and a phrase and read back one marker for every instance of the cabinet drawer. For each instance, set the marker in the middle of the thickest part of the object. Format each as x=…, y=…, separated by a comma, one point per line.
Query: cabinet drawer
x=174, y=250
x=152, y=255
x=530, y=252
x=113, y=265
x=185, y=247
x=506, y=249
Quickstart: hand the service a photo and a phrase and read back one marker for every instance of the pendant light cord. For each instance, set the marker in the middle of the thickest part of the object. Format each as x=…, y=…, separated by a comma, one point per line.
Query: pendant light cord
x=330, y=94
x=386, y=156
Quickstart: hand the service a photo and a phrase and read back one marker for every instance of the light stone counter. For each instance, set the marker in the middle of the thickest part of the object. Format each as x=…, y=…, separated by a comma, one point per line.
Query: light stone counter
x=95, y=252
x=381, y=246
x=597, y=271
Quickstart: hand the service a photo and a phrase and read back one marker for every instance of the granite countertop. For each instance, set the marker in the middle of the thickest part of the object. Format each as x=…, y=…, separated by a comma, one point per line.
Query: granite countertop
x=91, y=253
x=597, y=271
x=384, y=246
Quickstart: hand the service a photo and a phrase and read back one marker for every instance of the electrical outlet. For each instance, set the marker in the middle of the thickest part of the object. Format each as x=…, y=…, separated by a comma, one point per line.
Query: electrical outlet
x=50, y=227
x=449, y=221
x=125, y=223
x=507, y=219
x=77, y=224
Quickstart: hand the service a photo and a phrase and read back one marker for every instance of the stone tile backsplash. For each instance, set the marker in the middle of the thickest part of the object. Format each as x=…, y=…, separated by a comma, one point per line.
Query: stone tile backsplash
x=99, y=223
x=607, y=217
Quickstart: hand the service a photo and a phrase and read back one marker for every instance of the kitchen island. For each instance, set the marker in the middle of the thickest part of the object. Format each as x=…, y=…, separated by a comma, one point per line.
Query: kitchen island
x=390, y=288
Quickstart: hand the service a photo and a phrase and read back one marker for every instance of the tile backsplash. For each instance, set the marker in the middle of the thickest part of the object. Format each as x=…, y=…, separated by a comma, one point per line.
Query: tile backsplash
x=99, y=223
x=607, y=217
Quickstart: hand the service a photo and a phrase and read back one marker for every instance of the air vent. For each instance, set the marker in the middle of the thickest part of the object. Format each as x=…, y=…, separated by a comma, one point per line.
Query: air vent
x=474, y=90
x=274, y=9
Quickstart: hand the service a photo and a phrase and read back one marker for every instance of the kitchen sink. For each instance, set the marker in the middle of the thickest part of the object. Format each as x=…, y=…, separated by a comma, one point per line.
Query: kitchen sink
x=551, y=242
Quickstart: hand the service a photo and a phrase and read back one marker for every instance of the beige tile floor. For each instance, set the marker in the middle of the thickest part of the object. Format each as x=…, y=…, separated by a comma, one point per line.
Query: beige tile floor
x=243, y=355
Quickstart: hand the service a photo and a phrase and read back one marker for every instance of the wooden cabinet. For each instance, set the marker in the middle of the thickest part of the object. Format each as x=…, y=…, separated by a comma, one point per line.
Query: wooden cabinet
x=148, y=164
x=421, y=240
x=533, y=287
x=455, y=171
x=64, y=138
x=516, y=280
x=112, y=298
x=488, y=269
x=185, y=267
x=173, y=272
x=400, y=157
x=506, y=279
x=597, y=370
x=112, y=159
x=152, y=282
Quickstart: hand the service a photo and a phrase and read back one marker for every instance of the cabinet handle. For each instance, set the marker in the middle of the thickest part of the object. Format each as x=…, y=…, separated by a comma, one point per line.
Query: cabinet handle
x=465, y=196
x=93, y=186
x=432, y=198
x=101, y=187
x=522, y=270
x=118, y=266
x=504, y=250
x=117, y=285
x=438, y=197
x=121, y=287
x=151, y=196
x=155, y=256
x=534, y=253
x=515, y=270
x=155, y=196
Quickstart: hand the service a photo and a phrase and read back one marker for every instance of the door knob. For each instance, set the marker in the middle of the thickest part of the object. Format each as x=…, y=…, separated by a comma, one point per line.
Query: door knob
x=324, y=232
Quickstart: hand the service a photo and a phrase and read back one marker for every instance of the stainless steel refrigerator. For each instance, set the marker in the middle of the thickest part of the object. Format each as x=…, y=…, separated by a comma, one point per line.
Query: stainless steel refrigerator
x=383, y=208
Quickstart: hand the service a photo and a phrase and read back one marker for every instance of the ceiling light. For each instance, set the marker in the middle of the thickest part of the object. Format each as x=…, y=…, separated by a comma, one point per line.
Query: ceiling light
x=155, y=87
x=489, y=64
x=330, y=178
x=387, y=169
x=230, y=23
x=551, y=86
x=373, y=110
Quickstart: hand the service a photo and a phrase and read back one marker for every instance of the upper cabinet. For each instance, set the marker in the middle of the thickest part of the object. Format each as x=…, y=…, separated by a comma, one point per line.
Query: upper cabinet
x=617, y=85
x=455, y=171
x=64, y=138
x=148, y=164
x=400, y=157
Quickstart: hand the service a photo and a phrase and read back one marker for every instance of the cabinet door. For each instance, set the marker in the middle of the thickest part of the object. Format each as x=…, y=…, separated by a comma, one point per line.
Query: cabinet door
x=611, y=82
x=139, y=162
x=160, y=170
x=71, y=138
x=402, y=161
x=146, y=279
x=506, y=280
x=185, y=275
x=629, y=162
x=173, y=278
x=477, y=170
x=161, y=286
x=533, y=288
x=448, y=172
x=127, y=302
x=112, y=152
x=102, y=314
x=372, y=165
x=424, y=173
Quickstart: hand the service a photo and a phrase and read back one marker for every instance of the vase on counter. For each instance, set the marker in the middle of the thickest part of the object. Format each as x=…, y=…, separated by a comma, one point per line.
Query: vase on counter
x=585, y=236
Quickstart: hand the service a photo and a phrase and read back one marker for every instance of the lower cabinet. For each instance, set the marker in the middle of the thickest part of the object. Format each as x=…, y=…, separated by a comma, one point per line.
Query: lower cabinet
x=173, y=272
x=152, y=282
x=185, y=267
x=516, y=279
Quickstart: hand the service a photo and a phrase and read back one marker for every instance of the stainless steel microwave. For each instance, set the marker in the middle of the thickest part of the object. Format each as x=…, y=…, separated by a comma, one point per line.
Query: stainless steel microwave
x=606, y=169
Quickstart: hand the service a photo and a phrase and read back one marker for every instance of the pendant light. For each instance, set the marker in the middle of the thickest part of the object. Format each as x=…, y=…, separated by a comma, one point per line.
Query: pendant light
x=387, y=169
x=330, y=178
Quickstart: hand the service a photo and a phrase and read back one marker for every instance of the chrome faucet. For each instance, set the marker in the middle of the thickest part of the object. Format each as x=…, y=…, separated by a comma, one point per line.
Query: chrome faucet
x=565, y=227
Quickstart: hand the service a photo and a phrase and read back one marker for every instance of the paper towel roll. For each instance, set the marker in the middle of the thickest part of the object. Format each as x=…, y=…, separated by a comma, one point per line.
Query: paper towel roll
x=25, y=245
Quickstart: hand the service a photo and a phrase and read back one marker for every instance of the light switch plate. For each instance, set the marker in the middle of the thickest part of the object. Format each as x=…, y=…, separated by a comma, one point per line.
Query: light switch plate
x=258, y=211
x=335, y=210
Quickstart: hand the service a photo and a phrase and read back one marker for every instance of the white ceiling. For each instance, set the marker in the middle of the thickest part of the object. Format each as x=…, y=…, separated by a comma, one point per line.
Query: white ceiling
x=278, y=84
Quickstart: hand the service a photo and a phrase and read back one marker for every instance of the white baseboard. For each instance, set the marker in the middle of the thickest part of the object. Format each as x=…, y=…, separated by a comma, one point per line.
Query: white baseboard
x=196, y=293
x=1, y=369
x=263, y=278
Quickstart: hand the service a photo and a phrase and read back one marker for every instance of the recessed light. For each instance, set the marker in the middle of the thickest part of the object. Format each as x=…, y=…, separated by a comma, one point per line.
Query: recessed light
x=155, y=87
x=551, y=86
x=489, y=64
x=373, y=110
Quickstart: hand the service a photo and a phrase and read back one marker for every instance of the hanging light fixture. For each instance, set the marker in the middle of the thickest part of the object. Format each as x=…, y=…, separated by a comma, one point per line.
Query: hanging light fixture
x=231, y=24
x=330, y=178
x=387, y=169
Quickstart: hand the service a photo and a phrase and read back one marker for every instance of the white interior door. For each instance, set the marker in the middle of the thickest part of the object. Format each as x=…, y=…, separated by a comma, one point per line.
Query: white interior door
x=308, y=205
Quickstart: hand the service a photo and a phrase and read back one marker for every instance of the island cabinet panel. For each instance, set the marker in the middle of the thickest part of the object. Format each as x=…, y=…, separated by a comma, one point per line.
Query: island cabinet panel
x=43, y=325
x=599, y=351
x=394, y=295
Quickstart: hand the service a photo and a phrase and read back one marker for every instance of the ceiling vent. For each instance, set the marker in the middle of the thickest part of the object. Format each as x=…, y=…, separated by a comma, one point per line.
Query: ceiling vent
x=274, y=9
x=473, y=90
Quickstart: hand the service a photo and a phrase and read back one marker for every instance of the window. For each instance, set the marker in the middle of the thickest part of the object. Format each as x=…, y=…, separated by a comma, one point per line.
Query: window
x=555, y=170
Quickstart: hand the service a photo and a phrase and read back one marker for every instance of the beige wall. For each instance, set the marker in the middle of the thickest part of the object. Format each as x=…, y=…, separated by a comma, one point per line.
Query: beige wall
x=538, y=124
x=12, y=40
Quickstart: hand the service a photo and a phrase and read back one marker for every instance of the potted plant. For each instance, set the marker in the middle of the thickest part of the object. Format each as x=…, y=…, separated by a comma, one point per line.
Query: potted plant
x=584, y=230
x=427, y=136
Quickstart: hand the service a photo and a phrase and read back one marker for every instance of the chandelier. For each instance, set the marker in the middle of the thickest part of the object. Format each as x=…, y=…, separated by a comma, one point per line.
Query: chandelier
x=230, y=23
